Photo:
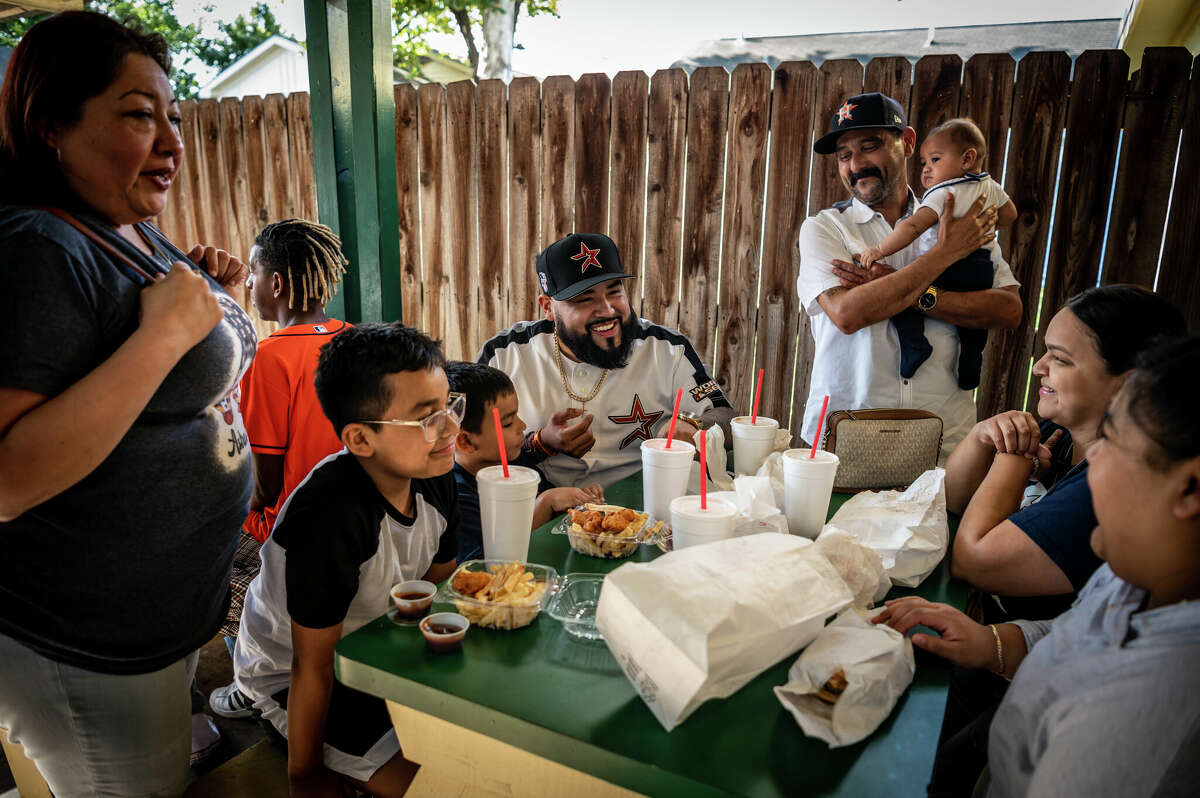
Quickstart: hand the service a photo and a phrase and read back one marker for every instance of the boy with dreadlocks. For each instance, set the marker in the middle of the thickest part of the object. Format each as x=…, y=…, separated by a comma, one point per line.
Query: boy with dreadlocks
x=295, y=268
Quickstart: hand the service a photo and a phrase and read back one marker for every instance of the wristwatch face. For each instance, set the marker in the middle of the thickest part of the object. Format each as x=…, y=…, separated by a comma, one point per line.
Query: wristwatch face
x=928, y=299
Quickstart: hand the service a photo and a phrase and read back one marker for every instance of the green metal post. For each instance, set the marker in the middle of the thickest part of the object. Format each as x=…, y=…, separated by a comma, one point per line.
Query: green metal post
x=353, y=114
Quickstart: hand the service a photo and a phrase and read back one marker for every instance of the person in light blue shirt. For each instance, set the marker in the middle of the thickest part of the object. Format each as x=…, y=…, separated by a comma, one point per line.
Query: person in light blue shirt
x=1105, y=699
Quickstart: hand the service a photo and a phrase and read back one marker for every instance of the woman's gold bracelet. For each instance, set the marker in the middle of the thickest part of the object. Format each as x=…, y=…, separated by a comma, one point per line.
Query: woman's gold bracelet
x=999, y=648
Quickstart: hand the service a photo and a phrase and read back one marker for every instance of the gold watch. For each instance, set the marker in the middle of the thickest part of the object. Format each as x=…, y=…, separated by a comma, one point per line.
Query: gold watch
x=692, y=419
x=928, y=300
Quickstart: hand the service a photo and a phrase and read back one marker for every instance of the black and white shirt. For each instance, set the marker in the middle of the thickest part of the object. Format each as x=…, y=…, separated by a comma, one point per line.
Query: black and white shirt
x=337, y=549
x=633, y=405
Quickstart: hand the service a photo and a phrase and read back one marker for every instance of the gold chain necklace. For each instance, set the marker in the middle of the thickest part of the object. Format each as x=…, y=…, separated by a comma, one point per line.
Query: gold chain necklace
x=562, y=373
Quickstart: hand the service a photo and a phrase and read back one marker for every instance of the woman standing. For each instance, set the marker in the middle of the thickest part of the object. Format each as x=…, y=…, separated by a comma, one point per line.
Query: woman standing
x=124, y=471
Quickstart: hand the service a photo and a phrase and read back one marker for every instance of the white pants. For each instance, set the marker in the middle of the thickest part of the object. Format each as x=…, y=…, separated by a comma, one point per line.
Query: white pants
x=96, y=734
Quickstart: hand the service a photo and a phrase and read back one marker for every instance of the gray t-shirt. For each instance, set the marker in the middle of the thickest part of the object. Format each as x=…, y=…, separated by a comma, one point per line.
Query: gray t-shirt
x=127, y=570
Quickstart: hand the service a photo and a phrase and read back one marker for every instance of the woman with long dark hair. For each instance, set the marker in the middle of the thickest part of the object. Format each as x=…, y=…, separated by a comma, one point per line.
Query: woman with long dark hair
x=124, y=471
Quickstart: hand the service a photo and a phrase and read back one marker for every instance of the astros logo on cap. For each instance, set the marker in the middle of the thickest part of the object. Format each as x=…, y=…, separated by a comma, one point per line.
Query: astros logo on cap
x=588, y=256
x=844, y=112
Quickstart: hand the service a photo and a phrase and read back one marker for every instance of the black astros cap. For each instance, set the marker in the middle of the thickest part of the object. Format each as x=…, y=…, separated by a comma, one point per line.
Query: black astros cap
x=574, y=263
x=861, y=110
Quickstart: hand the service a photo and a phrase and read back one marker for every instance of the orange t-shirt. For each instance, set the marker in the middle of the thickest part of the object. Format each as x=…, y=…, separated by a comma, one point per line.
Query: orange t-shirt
x=281, y=411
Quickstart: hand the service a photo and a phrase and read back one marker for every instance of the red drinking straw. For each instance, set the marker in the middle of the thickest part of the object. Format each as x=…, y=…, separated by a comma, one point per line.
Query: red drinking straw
x=500, y=440
x=703, y=473
x=757, y=396
x=820, y=421
x=674, y=417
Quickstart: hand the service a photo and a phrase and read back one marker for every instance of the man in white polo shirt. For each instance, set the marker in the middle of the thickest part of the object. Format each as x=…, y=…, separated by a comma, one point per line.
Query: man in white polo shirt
x=593, y=380
x=857, y=359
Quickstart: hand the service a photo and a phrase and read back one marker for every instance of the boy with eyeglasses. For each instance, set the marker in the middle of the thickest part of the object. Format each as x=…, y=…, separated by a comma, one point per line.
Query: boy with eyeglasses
x=380, y=512
x=487, y=389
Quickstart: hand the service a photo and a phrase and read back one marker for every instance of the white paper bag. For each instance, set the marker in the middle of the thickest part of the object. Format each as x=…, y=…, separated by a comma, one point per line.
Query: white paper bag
x=879, y=666
x=701, y=622
x=908, y=529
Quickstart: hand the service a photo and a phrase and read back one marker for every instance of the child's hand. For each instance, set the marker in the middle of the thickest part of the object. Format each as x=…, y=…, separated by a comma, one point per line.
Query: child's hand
x=868, y=257
x=565, y=498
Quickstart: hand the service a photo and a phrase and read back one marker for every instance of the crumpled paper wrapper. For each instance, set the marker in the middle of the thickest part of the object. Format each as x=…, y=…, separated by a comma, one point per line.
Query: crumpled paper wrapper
x=860, y=567
x=879, y=666
x=908, y=529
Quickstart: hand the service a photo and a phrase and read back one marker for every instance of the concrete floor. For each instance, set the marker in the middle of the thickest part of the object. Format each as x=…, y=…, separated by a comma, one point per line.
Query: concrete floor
x=212, y=671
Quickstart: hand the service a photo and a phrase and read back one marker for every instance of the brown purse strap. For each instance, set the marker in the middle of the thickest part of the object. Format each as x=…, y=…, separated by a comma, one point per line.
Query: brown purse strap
x=100, y=242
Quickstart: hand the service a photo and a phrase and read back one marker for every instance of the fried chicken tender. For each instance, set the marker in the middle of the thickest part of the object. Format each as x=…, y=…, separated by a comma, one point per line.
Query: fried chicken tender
x=615, y=522
x=468, y=582
x=591, y=521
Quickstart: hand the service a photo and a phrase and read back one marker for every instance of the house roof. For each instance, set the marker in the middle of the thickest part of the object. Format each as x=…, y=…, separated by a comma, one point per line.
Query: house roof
x=1072, y=36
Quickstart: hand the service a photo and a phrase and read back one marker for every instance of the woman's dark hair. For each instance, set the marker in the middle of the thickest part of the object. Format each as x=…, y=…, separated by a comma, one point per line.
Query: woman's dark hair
x=351, y=369
x=60, y=63
x=1124, y=320
x=1160, y=397
x=482, y=385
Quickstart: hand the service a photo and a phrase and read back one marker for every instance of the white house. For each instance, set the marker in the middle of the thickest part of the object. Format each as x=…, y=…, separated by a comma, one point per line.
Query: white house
x=280, y=65
x=277, y=65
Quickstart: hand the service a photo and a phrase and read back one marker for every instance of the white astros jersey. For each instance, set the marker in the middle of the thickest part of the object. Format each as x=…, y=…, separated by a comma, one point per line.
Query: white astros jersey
x=633, y=405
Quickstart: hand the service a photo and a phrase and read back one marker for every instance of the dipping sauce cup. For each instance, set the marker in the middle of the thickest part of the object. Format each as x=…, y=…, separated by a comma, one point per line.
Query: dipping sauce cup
x=413, y=599
x=444, y=631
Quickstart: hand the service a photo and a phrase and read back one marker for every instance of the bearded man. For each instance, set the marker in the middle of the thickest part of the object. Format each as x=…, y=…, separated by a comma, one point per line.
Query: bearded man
x=857, y=357
x=593, y=380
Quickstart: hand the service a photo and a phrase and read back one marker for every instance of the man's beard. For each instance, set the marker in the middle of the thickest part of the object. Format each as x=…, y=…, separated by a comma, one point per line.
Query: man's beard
x=586, y=349
x=879, y=193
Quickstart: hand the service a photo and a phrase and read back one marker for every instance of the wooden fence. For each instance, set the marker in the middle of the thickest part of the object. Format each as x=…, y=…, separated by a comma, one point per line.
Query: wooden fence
x=704, y=181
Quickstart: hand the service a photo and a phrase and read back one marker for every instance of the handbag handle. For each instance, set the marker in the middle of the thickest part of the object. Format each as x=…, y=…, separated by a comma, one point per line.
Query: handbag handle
x=100, y=242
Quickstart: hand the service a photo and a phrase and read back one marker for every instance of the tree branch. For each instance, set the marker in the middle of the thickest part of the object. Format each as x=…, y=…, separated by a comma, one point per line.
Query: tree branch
x=464, y=27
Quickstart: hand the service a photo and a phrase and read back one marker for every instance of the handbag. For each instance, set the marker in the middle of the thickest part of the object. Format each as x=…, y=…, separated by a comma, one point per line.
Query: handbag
x=882, y=448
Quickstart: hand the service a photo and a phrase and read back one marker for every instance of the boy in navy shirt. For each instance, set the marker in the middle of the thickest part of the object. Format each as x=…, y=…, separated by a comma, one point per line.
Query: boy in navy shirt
x=476, y=447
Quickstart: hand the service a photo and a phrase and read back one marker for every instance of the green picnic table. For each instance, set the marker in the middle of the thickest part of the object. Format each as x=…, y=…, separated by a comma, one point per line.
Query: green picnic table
x=538, y=712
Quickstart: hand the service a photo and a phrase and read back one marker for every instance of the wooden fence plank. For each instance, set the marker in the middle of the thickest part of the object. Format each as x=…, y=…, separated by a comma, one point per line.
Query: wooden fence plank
x=303, y=183
x=891, y=76
x=460, y=236
x=233, y=158
x=276, y=159
x=838, y=79
x=558, y=158
x=1039, y=110
x=593, y=122
x=524, y=196
x=666, y=147
x=1153, y=114
x=627, y=193
x=408, y=218
x=986, y=98
x=492, y=143
x=1089, y=154
x=708, y=111
x=745, y=182
x=783, y=333
x=215, y=206
x=259, y=187
x=1181, y=252
x=937, y=82
x=431, y=145
x=192, y=179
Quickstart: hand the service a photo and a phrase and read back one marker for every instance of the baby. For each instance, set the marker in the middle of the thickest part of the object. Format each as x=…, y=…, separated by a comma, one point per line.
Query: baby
x=951, y=157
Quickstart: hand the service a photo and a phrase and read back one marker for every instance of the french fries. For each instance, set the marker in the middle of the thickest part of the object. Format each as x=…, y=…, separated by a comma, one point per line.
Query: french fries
x=510, y=599
x=607, y=531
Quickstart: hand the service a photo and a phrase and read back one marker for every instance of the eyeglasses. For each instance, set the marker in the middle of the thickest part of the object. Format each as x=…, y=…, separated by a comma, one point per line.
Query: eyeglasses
x=434, y=424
